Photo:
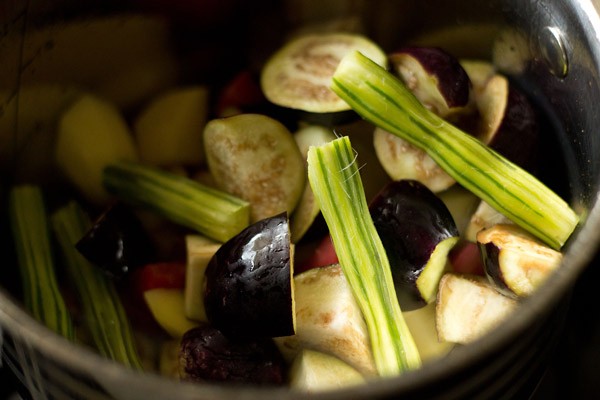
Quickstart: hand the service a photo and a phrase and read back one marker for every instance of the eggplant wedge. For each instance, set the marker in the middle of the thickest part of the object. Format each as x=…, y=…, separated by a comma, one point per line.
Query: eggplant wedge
x=248, y=282
x=468, y=307
x=435, y=77
x=417, y=231
x=206, y=355
x=328, y=320
x=298, y=75
x=514, y=260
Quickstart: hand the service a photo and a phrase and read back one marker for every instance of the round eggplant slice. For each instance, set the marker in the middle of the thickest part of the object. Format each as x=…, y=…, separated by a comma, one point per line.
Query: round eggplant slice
x=435, y=77
x=249, y=282
x=206, y=355
x=514, y=260
x=256, y=158
x=299, y=75
x=417, y=231
x=401, y=160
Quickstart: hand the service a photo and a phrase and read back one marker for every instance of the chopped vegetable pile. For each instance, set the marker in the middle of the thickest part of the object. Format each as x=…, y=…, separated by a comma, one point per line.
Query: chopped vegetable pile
x=347, y=214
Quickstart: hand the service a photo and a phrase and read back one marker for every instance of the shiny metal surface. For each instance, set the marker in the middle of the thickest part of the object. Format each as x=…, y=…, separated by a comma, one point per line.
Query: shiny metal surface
x=551, y=48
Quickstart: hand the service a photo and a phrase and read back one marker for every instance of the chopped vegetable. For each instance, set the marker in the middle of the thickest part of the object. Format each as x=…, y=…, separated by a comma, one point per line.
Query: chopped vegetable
x=214, y=213
x=168, y=131
x=308, y=208
x=298, y=75
x=255, y=158
x=329, y=320
x=336, y=182
x=435, y=77
x=103, y=312
x=41, y=292
x=417, y=232
x=484, y=217
x=116, y=242
x=167, y=307
x=206, y=355
x=469, y=307
x=421, y=323
x=381, y=98
x=199, y=251
x=92, y=133
x=313, y=371
x=402, y=160
x=248, y=282
x=514, y=260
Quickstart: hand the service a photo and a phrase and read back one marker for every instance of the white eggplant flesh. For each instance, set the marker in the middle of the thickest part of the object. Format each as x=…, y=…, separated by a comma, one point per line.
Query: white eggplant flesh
x=329, y=320
x=402, y=160
x=468, y=307
x=485, y=216
x=514, y=260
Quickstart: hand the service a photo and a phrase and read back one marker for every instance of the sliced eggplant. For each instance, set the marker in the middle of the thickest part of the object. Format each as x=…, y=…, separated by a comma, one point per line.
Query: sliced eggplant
x=485, y=216
x=417, y=231
x=508, y=122
x=435, y=77
x=298, y=76
x=308, y=208
x=468, y=307
x=329, y=320
x=249, y=283
x=402, y=160
x=117, y=242
x=514, y=260
x=206, y=355
x=254, y=157
x=313, y=371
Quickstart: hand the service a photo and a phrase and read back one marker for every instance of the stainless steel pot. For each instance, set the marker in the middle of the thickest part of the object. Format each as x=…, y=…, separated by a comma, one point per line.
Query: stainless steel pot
x=551, y=48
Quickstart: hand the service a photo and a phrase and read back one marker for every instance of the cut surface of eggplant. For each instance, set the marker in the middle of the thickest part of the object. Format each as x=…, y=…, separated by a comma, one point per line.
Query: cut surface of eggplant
x=328, y=320
x=435, y=77
x=255, y=158
x=298, y=76
x=417, y=231
x=514, y=260
x=468, y=307
x=402, y=160
x=249, y=285
x=485, y=216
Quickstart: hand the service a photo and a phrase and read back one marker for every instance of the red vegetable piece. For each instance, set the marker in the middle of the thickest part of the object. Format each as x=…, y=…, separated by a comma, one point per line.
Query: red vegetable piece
x=465, y=258
x=241, y=94
x=165, y=275
x=322, y=256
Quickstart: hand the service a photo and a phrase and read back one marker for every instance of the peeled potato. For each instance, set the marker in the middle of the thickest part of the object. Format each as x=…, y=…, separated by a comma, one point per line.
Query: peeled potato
x=256, y=158
x=92, y=134
x=169, y=130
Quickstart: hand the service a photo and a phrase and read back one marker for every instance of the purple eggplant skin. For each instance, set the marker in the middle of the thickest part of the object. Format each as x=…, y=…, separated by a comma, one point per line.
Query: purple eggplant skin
x=206, y=355
x=519, y=125
x=248, y=282
x=453, y=83
x=410, y=220
x=490, y=254
x=117, y=242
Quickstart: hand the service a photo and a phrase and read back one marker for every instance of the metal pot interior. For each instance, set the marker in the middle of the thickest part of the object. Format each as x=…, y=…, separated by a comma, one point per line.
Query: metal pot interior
x=550, y=49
